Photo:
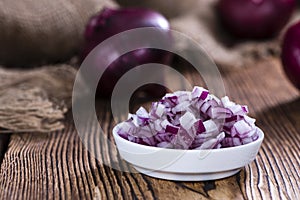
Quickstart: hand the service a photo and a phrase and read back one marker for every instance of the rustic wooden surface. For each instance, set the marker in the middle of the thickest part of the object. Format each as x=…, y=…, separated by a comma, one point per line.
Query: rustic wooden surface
x=57, y=165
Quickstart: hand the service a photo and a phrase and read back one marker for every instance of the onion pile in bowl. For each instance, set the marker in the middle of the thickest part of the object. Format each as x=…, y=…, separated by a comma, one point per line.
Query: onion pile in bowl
x=190, y=120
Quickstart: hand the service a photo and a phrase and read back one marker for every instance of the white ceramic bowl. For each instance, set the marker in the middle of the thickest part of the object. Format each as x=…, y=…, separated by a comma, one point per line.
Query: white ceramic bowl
x=187, y=165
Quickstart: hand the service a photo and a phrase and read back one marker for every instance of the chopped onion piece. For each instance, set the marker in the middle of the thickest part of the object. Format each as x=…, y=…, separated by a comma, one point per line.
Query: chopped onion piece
x=211, y=126
x=187, y=120
x=142, y=113
x=172, y=129
x=242, y=127
x=203, y=95
x=183, y=139
x=167, y=145
x=181, y=107
x=200, y=127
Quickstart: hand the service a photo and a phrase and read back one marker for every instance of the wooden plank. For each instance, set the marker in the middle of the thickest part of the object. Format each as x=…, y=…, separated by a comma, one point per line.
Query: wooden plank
x=57, y=165
x=276, y=106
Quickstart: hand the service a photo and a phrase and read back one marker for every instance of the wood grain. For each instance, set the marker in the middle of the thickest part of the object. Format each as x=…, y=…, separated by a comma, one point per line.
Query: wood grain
x=58, y=166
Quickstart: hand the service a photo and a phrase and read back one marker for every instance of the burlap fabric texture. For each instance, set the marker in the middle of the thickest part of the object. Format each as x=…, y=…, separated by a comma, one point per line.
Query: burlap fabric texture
x=35, y=100
x=35, y=33
x=43, y=31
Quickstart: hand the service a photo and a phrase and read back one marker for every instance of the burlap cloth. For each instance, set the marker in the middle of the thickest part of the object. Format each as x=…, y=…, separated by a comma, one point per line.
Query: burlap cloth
x=38, y=33
x=44, y=31
x=35, y=100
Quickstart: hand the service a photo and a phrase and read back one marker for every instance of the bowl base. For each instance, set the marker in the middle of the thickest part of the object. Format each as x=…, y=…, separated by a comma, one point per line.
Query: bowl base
x=187, y=176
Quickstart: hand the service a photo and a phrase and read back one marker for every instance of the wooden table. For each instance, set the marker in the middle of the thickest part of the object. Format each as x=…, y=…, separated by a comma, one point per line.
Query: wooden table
x=56, y=165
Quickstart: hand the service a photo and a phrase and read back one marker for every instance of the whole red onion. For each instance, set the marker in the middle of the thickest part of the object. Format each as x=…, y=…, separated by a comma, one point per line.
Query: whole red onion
x=113, y=21
x=254, y=18
x=291, y=54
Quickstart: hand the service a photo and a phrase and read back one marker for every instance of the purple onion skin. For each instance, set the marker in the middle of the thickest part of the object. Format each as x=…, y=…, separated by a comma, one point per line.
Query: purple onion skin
x=290, y=54
x=255, y=19
x=113, y=21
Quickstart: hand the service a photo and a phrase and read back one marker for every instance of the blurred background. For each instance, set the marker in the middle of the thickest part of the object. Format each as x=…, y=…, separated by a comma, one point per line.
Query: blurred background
x=234, y=33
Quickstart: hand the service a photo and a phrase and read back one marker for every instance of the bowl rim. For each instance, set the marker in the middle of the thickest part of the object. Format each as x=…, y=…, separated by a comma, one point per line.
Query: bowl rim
x=259, y=140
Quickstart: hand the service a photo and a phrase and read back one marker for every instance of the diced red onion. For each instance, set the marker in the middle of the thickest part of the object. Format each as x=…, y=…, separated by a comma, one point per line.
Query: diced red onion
x=187, y=120
x=205, y=107
x=219, y=113
x=183, y=139
x=242, y=127
x=203, y=95
x=190, y=120
x=167, y=145
x=200, y=127
x=142, y=113
x=231, y=141
x=211, y=126
x=199, y=93
x=181, y=107
x=212, y=143
x=172, y=129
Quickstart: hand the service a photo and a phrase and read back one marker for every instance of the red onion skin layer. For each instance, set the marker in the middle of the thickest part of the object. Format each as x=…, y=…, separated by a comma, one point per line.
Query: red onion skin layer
x=254, y=19
x=290, y=55
x=113, y=21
